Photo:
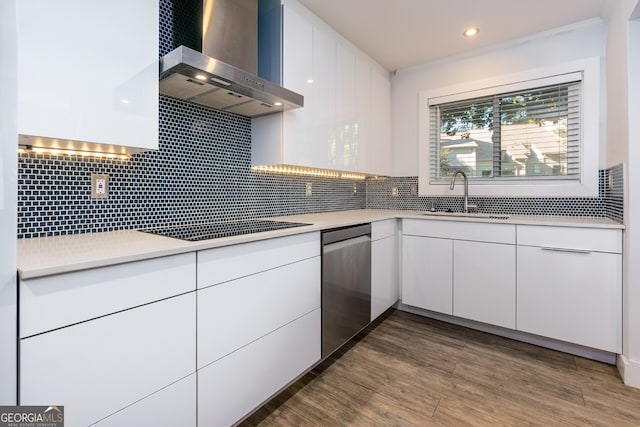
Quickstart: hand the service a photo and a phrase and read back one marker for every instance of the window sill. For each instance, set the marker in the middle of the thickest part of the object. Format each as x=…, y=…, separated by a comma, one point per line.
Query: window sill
x=547, y=188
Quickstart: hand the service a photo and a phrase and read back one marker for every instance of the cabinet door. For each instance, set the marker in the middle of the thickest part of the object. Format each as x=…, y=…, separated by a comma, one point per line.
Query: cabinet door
x=324, y=99
x=154, y=410
x=484, y=282
x=379, y=140
x=427, y=273
x=298, y=76
x=384, y=275
x=98, y=367
x=235, y=385
x=363, y=108
x=345, y=155
x=571, y=296
x=88, y=71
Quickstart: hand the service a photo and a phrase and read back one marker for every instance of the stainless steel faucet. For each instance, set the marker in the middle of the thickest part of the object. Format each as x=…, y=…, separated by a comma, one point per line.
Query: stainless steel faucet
x=466, y=205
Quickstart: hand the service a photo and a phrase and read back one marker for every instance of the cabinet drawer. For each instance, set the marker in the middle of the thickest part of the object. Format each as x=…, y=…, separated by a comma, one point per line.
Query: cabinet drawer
x=231, y=262
x=235, y=313
x=382, y=229
x=587, y=239
x=573, y=297
x=460, y=230
x=99, y=367
x=233, y=386
x=152, y=410
x=52, y=302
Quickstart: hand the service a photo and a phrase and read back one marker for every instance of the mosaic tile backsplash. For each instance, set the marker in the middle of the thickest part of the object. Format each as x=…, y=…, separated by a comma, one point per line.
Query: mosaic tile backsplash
x=614, y=193
x=201, y=173
x=609, y=202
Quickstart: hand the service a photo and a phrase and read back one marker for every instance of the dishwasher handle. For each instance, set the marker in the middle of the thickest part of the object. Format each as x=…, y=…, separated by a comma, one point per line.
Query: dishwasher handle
x=345, y=233
x=328, y=248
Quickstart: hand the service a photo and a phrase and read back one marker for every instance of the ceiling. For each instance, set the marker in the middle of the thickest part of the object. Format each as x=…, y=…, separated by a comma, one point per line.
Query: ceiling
x=402, y=33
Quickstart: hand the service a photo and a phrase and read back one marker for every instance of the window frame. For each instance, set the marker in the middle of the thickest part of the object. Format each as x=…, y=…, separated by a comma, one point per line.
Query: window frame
x=588, y=71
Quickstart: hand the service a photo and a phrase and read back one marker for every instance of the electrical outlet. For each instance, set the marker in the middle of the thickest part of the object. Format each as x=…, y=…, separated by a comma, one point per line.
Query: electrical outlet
x=99, y=186
x=394, y=191
x=308, y=189
x=414, y=190
x=355, y=189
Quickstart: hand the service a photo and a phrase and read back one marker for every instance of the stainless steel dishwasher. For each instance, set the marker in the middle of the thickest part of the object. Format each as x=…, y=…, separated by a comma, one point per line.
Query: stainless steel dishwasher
x=346, y=284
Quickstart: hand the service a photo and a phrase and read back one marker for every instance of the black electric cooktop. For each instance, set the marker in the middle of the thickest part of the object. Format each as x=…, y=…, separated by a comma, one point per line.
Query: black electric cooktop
x=216, y=230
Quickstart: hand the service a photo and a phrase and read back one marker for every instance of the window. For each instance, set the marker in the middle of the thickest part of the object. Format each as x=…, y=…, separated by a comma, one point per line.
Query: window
x=526, y=134
x=531, y=134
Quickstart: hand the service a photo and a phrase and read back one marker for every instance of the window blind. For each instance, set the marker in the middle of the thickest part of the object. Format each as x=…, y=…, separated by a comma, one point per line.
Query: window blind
x=524, y=134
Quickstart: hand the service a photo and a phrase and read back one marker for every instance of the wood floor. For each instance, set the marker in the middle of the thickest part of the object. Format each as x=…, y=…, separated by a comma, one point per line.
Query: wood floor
x=407, y=370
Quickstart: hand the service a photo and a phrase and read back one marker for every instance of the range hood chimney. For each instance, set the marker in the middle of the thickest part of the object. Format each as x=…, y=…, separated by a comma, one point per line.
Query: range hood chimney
x=224, y=75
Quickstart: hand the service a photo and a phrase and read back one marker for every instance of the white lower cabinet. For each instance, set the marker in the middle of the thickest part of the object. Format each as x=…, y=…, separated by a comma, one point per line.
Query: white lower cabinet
x=570, y=285
x=233, y=386
x=174, y=405
x=558, y=282
x=52, y=302
x=385, y=289
x=254, y=305
x=484, y=282
x=465, y=269
x=258, y=331
x=99, y=367
x=121, y=345
x=427, y=278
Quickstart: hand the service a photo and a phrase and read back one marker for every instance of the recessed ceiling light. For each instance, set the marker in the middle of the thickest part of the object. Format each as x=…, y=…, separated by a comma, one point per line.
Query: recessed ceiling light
x=278, y=104
x=201, y=77
x=470, y=32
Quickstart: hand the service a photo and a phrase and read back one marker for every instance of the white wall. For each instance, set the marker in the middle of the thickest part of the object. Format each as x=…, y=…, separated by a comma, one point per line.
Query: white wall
x=8, y=202
x=631, y=322
x=623, y=108
x=583, y=40
x=616, y=54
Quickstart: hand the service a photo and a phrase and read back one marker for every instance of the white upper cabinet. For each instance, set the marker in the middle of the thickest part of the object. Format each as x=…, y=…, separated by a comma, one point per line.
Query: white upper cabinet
x=378, y=142
x=296, y=140
x=363, y=111
x=324, y=98
x=346, y=156
x=88, y=74
x=345, y=122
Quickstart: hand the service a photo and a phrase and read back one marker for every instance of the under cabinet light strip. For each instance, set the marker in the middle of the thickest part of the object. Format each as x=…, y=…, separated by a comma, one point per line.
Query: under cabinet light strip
x=306, y=171
x=57, y=152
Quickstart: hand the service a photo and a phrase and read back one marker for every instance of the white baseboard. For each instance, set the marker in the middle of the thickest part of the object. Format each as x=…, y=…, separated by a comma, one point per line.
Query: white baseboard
x=565, y=347
x=629, y=370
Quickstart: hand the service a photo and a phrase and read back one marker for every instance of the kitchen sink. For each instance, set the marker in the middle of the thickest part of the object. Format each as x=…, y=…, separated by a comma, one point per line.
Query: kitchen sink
x=467, y=215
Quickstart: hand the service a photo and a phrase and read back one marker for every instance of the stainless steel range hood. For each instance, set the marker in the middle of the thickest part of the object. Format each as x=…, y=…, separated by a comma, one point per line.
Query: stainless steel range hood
x=224, y=75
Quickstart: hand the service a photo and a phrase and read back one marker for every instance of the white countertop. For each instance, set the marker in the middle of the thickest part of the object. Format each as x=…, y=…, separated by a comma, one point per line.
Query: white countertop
x=45, y=256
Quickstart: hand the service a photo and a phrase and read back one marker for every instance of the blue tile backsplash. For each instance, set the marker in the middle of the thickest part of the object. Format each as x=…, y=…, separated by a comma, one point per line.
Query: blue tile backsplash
x=609, y=202
x=201, y=173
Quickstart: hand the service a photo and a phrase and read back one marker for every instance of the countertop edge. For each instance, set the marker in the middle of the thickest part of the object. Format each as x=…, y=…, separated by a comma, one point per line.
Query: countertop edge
x=29, y=269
